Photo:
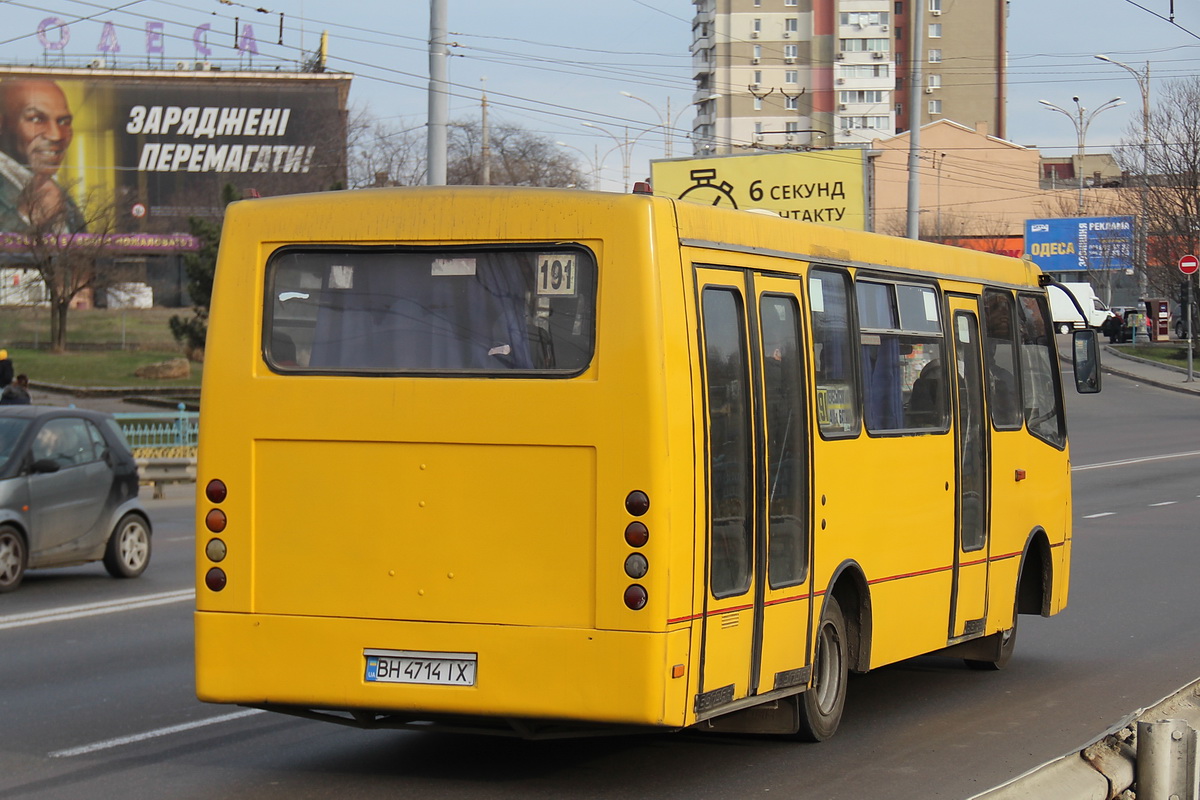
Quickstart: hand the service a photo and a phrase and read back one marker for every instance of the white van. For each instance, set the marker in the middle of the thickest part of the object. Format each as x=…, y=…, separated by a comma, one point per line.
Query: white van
x=1066, y=316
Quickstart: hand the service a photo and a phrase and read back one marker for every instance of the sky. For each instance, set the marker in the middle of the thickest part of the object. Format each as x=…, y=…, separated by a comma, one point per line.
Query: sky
x=550, y=66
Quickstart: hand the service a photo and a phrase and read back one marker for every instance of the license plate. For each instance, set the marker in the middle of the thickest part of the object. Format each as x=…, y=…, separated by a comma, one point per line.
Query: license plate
x=411, y=666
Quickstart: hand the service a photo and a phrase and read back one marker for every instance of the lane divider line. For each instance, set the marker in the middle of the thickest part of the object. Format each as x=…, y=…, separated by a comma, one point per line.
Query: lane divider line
x=93, y=609
x=1127, y=461
x=108, y=744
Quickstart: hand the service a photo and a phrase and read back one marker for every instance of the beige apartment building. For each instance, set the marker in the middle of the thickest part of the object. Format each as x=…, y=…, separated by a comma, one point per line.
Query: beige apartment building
x=797, y=74
x=975, y=185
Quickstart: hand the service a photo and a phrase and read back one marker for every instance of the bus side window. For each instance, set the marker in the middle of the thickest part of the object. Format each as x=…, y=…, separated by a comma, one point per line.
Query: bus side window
x=787, y=435
x=833, y=354
x=1039, y=378
x=904, y=383
x=731, y=497
x=1000, y=355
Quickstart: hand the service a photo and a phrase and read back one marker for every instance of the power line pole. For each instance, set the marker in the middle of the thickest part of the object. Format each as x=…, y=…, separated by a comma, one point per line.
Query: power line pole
x=485, y=147
x=439, y=96
x=914, y=119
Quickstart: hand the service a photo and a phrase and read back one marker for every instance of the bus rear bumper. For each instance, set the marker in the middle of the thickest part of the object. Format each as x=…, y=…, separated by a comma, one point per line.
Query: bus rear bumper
x=558, y=677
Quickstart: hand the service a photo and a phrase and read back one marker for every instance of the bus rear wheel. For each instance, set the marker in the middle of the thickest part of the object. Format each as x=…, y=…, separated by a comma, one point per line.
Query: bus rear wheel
x=821, y=706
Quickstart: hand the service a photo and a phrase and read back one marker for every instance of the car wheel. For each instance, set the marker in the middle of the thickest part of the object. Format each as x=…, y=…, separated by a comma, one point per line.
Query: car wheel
x=128, y=550
x=1064, y=327
x=821, y=706
x=12, y=558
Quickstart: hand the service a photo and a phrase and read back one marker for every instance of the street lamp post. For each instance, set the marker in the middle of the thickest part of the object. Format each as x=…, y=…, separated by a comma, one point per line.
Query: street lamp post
x=596, y=161
x=1143, y=82
x=1081, y=120
x=624, y=145
x=668, y=124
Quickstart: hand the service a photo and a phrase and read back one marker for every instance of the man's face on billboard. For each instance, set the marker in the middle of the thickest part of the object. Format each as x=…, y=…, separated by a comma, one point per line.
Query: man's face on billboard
x=37, y=123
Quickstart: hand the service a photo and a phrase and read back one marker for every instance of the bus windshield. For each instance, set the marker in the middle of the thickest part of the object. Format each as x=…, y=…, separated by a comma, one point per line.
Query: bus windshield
x=391, y=310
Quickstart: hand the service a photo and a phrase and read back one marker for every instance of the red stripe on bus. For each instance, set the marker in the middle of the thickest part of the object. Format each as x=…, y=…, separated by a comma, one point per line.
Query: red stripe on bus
x=814, y=595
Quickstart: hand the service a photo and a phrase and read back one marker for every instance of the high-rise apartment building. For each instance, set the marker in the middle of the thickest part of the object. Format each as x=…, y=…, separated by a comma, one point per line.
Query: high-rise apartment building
x=820, y=73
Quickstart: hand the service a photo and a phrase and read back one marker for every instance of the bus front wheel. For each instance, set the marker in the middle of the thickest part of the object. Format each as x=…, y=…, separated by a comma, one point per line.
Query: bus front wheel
x=821, y=706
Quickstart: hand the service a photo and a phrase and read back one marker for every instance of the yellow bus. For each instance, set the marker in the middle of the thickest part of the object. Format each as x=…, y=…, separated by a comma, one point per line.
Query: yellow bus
x=547, y=462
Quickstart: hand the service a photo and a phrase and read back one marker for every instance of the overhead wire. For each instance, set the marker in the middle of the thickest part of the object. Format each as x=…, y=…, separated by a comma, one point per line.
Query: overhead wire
x=526, y=106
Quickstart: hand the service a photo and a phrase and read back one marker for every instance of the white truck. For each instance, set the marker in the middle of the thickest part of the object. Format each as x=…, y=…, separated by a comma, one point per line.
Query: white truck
x=1064, y=314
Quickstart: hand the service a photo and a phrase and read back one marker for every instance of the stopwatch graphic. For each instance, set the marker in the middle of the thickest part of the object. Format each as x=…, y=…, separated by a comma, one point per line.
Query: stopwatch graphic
x=706, y=191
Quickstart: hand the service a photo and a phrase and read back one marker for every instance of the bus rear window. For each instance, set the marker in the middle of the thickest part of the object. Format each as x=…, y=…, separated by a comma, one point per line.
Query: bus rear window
x=389, y=310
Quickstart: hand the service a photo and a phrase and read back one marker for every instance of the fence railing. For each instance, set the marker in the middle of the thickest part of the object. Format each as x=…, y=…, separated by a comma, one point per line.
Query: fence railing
x=145, y=429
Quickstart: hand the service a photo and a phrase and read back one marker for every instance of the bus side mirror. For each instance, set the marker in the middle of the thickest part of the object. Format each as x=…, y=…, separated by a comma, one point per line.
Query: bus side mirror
x=1087, y=361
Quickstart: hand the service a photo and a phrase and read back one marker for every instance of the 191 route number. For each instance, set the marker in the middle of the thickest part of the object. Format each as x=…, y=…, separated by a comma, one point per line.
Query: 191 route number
x=556, y=275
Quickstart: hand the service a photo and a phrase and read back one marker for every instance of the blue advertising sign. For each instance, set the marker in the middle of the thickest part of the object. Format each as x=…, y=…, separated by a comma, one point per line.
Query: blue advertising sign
x=1080, y=243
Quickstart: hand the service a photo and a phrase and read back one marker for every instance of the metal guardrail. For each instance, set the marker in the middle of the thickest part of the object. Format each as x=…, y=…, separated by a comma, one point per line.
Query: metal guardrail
x=1153, y=750
x=158, y=472
x=160, y=428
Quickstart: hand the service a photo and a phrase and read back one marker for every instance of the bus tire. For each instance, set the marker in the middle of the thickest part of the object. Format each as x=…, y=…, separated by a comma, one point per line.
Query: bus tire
x=1006, y=642
x=821, y=706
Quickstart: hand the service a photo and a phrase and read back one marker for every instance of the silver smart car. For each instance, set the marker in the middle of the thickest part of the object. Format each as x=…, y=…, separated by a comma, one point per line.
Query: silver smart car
x=68, y=494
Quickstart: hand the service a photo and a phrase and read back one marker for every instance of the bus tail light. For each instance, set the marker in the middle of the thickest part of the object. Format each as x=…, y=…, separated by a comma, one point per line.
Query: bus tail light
x=637, y=503
x=215, y=550
x=215, y=579
x=636, y=597
x=215, y=520
x=215, y=491
x=636, y=534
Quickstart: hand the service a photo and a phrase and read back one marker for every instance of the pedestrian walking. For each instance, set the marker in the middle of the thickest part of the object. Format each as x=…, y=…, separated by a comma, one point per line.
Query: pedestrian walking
x=6, y=370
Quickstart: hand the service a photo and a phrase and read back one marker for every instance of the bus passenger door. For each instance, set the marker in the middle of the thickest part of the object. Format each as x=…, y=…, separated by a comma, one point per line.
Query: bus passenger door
x=972, y=543
x=786, y=578
x=756, y=456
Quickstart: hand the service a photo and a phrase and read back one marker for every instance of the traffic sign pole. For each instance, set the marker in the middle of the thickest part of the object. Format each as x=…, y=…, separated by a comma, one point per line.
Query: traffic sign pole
x=1188, y=312
x=1187, y=265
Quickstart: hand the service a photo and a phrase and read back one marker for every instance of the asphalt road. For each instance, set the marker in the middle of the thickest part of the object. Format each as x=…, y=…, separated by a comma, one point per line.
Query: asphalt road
x=102, y=706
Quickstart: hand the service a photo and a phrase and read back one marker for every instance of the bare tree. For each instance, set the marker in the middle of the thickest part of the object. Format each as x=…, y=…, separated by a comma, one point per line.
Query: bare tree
x=1173, y=185
x=382, y=155
x=518, y=157
x=69, y=249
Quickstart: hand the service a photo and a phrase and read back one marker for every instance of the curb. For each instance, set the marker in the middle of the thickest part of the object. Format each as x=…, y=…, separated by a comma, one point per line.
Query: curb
x=1161, y=384
x=180, y=392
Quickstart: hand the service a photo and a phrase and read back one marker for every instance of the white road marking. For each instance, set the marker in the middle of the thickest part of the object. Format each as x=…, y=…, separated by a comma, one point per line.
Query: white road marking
x=1101, y=514
x=94, y=609
x=1166, y=503
x=141, y=737
x=1127, y=461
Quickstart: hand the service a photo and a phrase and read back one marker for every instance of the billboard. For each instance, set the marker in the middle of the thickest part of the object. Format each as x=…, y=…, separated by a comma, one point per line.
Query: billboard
x=826, y=186
x=1079, y=244
x=147, y=149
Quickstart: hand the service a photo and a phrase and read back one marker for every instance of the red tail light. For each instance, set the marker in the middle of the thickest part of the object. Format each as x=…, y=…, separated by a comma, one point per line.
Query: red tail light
x=636, y=597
